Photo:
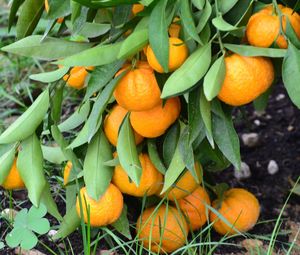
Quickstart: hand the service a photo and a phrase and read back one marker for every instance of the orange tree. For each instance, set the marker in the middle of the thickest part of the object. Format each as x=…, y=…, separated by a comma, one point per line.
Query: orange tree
x=174, y=69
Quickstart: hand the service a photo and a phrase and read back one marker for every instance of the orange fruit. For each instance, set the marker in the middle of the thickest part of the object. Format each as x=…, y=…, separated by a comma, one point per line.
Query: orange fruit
x=104, y=211
x=263, y=28
x=174, y=28
x=194, y=207
x=136, y=8
x=13, y=180
x=184, y=186
x=163, y=231
x=156, y=121
x=67, y=170
x=178, y=53
x=112, y=123
x=77, y=76
x=138, y=89
x=150, y=182
x=239, y=207
x=246, y=79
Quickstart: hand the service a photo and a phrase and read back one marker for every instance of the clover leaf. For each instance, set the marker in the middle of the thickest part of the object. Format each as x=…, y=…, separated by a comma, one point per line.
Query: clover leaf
x=25, y=224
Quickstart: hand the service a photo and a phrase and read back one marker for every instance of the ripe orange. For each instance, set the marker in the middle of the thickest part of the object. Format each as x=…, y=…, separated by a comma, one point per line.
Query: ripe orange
x=104, y=211
x=164, y=230
x=239, y=207
x=150, y=182
x=67, y=170
x=156, y=121
x=246, y=79
x=138, y=89
x=263, y=28
x=13, y=180
x=178, y=53
x=77, y=76
x=194, y=207
x=174, y=28
x=112, y=123
x=185, y=185
x=136, y=8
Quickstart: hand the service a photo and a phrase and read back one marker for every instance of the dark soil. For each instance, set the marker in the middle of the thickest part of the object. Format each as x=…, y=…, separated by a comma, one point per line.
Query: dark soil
x=279, y=131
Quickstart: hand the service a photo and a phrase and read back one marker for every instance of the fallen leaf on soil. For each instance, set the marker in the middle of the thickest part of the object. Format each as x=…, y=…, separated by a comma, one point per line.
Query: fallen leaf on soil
x=106, y=252
x=251, y=244
x=294, y=236
x=20, y=251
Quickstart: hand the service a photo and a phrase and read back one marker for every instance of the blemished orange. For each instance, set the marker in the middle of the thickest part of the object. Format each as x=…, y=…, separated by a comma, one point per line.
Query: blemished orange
x=155, y=122
x=67, y=170
x=77, y=76
x=263, y=28
x=239, y=207
x=136, y=8
x=163, y=231
x=112, y=123
x=103, y=212
x=184, y=186
x=194, y=208
x=150, y=182
x=138, y=90
x=174, y=28
x=246, y=79
x=178, y=53
x=13, y=180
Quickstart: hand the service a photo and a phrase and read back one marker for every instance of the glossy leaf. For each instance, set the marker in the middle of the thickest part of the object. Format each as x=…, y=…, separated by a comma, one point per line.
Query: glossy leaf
x=58, y=8
x=199, y=4
x=53, y=154
x=205, y=110
x=27, y=123
x=170, y=143
x=127, y=152
x=192, y=70
x=223, y=25
x=6, y=162
x=225, y=6
x=48, y=49
x=13, y=12
x=97, y=176
x=214, y=78
x=30, y=166
x=291, y=73
x=30, y=14
x=291, y=34
x=154, y=156
x=122, y=224
x=158, y=34
x=205, y=15
x=109, y=53
x=50, y=76
x=252, y=51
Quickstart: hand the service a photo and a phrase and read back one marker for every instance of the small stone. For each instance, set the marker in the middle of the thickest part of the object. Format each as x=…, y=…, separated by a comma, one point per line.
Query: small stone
x=250, y=139
x=257, y=122
x=273, y=167
x=243, y=173
x=52, y=232
x=280, y=97
x=268, y=117
x=290, y=128
x=9, y=213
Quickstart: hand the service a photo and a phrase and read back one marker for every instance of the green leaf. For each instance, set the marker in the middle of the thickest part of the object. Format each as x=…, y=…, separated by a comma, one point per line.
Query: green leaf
x=170, y=143
x=199, y=4
x=133, y=43
x=214, y=78
x=6, y=162
x=27, y=123
x=251, y=51
x=225, y=6
x=101, y=76
x=97, y=176
x=204, y=17
x=58, y=8
x=56, y=102
x=260, y=103
x=91, y=30
x=158, y=34
x=223, y=25
x=53, y=154
x=47, y=49
x=30, y=166
x=13, y=12
x=29, y=17
x=35, y=222
x=225, y=135
x=291, y=34
x=50, y=76
x=154, y=156
x=109, y=53
x=188, y=21
x=192, y=70
x=127, y=152
x=205, y=110
x=291, y=73
x=70, y=223
x=122, y=224
x=175, y=168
